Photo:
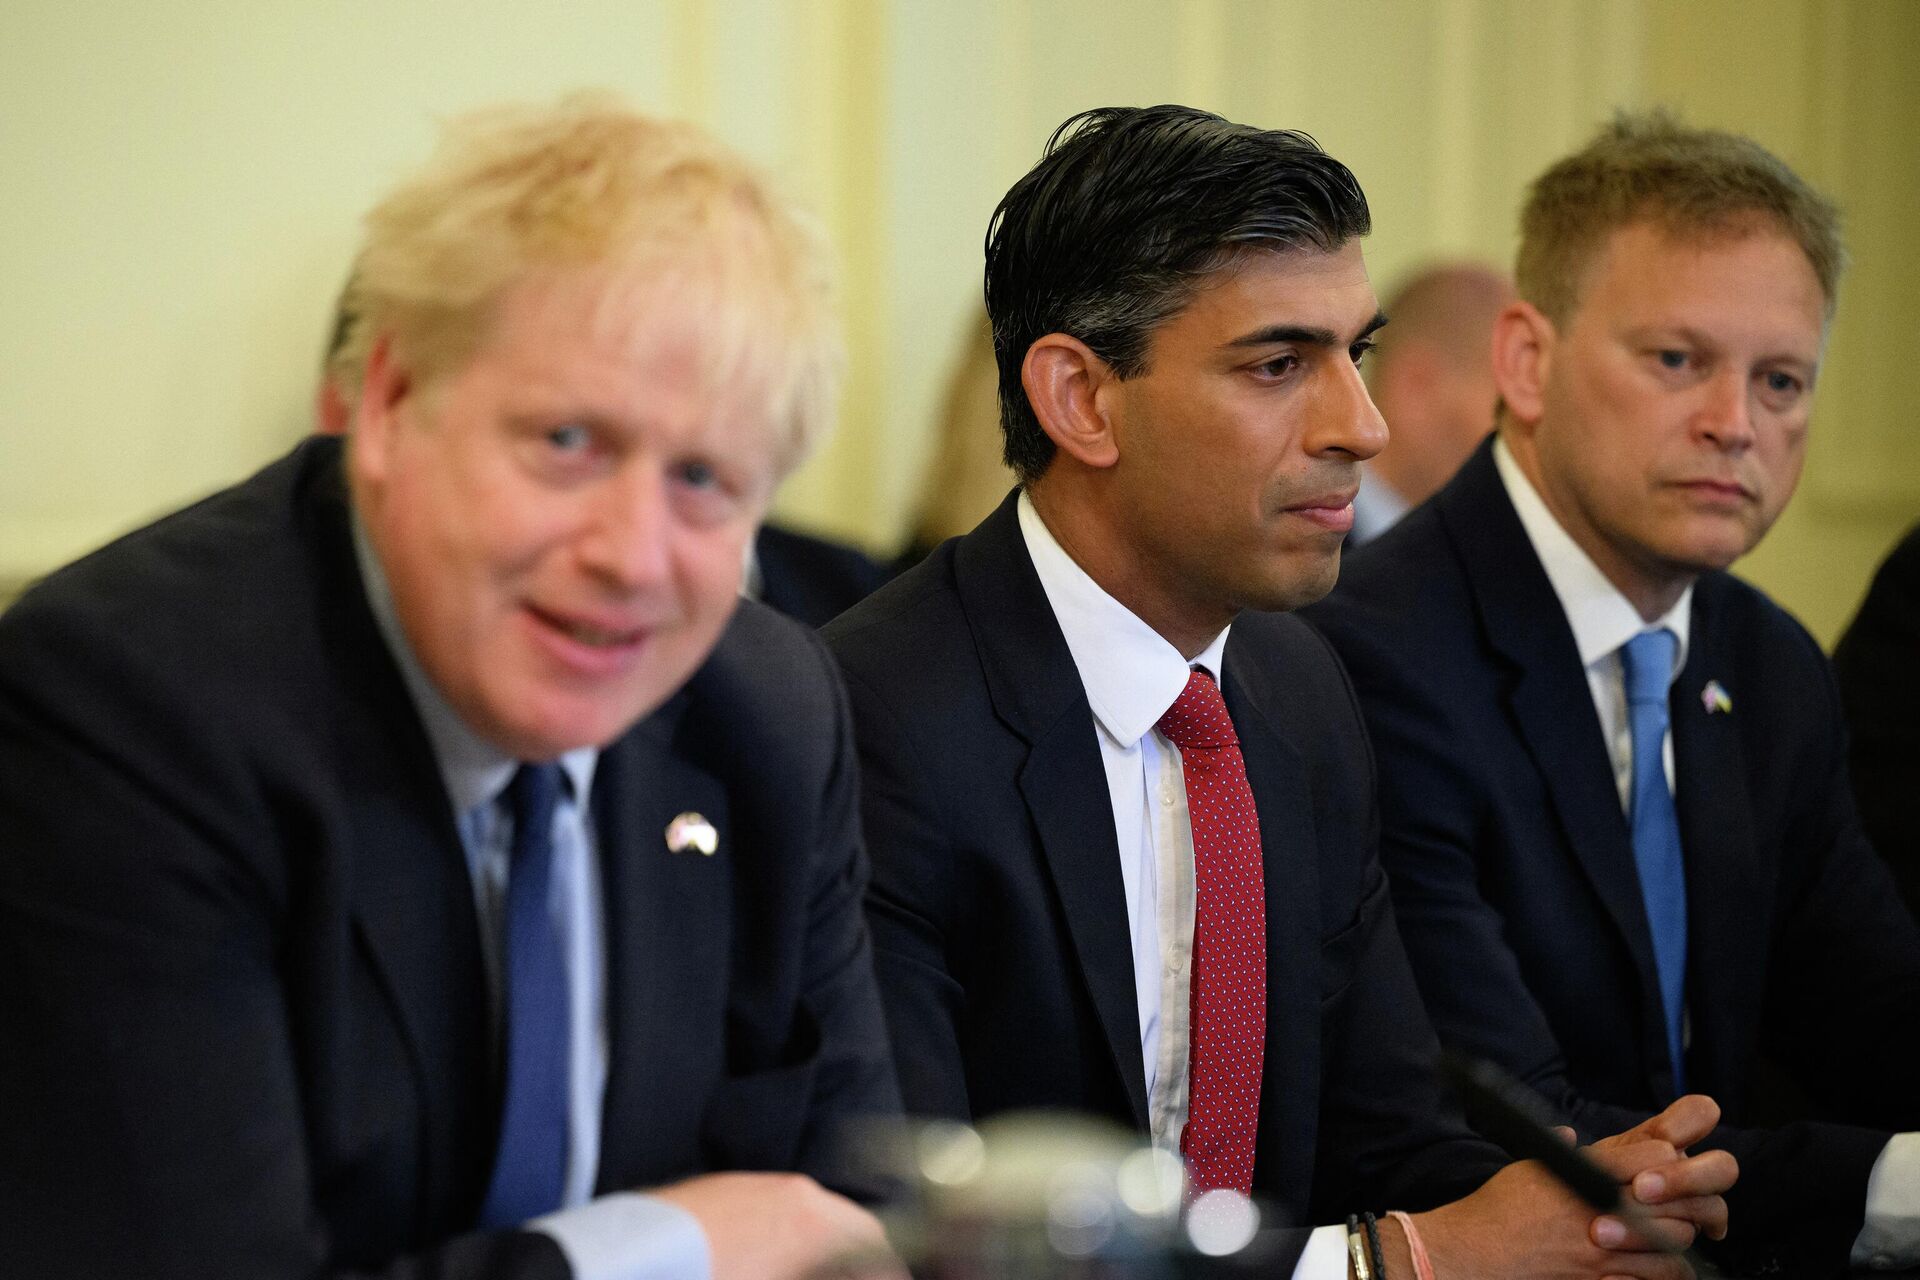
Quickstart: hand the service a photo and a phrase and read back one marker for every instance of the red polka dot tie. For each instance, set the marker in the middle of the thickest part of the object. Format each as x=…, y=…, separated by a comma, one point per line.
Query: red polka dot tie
x=1228, y=1035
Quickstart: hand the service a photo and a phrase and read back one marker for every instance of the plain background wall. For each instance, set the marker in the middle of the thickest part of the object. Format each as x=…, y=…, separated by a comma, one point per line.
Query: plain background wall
x=180, y=184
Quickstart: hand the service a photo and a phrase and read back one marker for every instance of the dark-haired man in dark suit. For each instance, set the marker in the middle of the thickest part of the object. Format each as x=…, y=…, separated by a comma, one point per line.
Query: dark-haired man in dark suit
x=415, y=849
x=1122, y=818
x=1878, y=665
x=1615, y=807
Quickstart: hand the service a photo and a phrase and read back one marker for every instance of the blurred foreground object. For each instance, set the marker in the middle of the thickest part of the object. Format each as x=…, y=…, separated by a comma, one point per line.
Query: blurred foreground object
x=1036, y=1195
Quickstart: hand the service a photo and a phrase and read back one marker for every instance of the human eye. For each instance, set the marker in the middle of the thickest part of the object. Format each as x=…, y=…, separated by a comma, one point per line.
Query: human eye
x=1781, y=388
x=1276, y=368
x=709, y=491
x=697, y=474
x=1672, y=358
x=1358, y=351
x=569, y=438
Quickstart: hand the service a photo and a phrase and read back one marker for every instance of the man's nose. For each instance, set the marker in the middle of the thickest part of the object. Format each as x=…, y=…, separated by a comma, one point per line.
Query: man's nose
x=1726, y=417
x=623, y=540
x=1349, y=422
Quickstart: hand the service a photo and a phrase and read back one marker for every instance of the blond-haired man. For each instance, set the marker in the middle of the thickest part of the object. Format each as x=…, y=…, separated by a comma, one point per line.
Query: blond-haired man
x=417, y=847
x=1614, y=797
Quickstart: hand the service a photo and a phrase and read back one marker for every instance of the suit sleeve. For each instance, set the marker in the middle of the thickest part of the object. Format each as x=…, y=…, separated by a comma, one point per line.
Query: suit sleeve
x=1843, y=1000
x=907, y=906
x=1435, y=812
x=1880, y=685
x=147, y=1068
x=1390, y=1136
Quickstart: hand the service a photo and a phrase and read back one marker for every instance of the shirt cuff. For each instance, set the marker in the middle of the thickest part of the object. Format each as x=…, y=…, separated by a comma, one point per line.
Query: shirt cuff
x=628, y=1236
x=1891, y=1237
x=1325, y=1257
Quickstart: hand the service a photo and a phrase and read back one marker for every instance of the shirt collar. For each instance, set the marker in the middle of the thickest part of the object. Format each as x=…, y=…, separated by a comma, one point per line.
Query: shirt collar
x=1130, y=672
x=1602, y=619
x=474, y=770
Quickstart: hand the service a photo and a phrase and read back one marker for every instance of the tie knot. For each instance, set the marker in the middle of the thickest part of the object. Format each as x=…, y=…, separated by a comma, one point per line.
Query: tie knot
x=1647, y=662
x=1198, y=717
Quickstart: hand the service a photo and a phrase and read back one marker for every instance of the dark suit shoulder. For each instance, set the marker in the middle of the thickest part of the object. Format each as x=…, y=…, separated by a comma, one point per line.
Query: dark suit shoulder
x=767, y=658
x=1290, y=668
x=811, y=578
x=912, y=638
x=193, y=592
x=206, y=649
x=1397, y=580
x=1760, y=630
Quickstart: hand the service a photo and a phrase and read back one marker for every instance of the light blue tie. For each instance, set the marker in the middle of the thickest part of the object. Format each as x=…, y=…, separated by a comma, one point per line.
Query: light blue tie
x=530, y=1166
x=1647, y=660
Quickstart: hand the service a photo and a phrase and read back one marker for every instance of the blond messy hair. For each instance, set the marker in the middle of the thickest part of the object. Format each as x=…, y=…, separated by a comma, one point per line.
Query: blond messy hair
x=1691, y=183
x=515, y=190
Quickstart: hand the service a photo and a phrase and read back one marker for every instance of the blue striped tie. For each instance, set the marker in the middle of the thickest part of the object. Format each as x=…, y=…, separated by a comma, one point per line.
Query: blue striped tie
x=529, y=1170
x=1647, y=661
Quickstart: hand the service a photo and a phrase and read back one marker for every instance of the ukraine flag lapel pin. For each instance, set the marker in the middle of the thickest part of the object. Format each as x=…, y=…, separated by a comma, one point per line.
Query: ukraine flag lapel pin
x=1714, y=698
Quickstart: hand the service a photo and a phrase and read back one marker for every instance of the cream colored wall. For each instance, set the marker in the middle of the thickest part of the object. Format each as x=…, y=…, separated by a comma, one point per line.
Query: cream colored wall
x=181, y=181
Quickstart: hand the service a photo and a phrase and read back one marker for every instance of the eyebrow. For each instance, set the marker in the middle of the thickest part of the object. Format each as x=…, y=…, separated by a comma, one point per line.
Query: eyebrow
x=1306, y=335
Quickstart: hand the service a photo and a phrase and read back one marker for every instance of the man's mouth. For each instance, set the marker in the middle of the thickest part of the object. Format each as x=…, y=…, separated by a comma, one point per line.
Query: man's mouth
x=1726, y=491
x=598, y=635
x=1332, y=511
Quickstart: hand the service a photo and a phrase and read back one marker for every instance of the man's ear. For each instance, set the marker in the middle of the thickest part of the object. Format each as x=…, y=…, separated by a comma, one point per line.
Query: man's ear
x=1523, y=342
x=384, y=387
x=1063, y=377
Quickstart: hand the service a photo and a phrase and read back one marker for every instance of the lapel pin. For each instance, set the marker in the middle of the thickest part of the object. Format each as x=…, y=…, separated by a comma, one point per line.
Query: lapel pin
x=1713, y=698
x=691, y=831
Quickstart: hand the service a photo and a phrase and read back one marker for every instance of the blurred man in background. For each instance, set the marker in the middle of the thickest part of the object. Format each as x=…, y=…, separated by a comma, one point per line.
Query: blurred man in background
x=1431, y=377
x=418, y=846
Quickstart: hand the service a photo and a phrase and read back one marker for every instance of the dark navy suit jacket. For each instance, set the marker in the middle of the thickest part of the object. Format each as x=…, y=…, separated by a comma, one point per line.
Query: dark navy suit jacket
x=999, y=916
x=1513, y=873
x=1878, y=665
x=244, y=1024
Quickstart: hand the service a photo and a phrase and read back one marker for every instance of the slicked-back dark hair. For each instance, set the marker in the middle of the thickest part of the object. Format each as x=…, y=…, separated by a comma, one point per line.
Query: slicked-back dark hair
x=1127, y=214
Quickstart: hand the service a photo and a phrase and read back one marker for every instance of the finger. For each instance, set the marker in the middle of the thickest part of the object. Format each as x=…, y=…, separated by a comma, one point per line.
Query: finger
x=1627, y=1160
x=1708, y=1174
x=1666, y=1234
x=1565, y=1133
x=1685, y=1121
x=1648, y=1266
x=1708, y=1213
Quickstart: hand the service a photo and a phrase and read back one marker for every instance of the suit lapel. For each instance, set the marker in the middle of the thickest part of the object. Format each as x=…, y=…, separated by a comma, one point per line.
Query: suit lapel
x=1289, y=850
x=1725, y=952
x=1037, y=693
x=412, y=902
x=1551, y=704
x=667, y=917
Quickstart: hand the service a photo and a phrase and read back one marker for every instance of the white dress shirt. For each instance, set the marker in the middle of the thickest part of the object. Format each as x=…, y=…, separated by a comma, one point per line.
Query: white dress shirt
x=1131, y=676
x=624, y=1236
x=1602, y=621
